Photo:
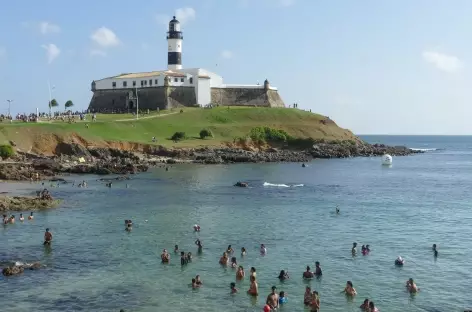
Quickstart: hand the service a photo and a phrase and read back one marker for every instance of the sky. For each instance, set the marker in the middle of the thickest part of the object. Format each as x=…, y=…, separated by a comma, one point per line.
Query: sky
x=375, y=67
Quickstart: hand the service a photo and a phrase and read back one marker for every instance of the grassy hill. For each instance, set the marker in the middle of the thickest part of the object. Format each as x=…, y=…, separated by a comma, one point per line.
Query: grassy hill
x=226, y=125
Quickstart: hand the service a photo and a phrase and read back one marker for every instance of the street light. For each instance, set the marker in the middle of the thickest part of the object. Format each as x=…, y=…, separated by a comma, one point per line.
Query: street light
x=137, y=104
x=9, y=106
x=50, y=96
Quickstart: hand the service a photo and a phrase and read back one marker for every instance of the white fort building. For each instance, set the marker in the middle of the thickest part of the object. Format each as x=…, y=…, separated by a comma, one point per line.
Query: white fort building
x=176, y=86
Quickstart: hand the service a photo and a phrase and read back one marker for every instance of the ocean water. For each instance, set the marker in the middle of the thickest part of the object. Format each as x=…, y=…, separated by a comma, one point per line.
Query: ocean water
x=94, y=265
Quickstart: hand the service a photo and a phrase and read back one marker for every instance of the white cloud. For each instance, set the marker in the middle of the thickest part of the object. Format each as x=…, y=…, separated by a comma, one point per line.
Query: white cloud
x=95, y=52
x=48, y=28
x=226, y=54
x=52, y=51
x=286, y=3
x=183, y=15
x=105, y=37
x=444, y=62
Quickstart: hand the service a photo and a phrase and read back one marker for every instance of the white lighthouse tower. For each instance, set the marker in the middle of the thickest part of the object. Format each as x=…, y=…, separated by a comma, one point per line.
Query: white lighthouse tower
x=174, y=42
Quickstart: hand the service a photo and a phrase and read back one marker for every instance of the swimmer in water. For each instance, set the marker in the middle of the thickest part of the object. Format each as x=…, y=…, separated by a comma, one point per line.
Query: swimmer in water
x=183, y=258
x=129, y=227
x=233, y=288
x=240, y=274
x=47, y=237
x=229, y=250
x=21, y=217
x=12, y=219
x=234, y=263
x=253, y=272
x=200, y=246
x=308, y=273
x=354, y=249
x=165, y=257
x=176, y=248
x=399, y=261
x=315, y=302
x=337, y=210
x=372, y=307
x=253, y=288
x=282, y=298
x=367, y=248
x=243, y=252
x=349, y=289
x=196, y=228
x=365, y=305
x=224, y=259
x=273, y=299
x=31, y=216
x=283, y=275
x=318, y=271
x=435, y=250
x=194, y=283
x=5, y=219
x=198, y=280
x=189, y=257
x=263, y=249
x=307, y=296
x=411, y=286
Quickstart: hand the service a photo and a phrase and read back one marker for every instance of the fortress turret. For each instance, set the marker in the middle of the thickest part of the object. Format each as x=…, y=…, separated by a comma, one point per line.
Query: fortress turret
x=266, y=85
x=174, y=42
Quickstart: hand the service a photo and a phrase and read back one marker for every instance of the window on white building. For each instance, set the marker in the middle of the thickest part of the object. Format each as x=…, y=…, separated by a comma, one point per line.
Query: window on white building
x=191, y=80
x=134, y=83
x=176, y=79
x=181, y=79
x=113, y=84
x=142, y=83
x=125, y=84
x=155, y=82
x=150, y=82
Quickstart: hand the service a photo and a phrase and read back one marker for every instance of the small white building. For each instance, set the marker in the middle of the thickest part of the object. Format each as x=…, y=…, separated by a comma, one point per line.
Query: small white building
x=174, y=86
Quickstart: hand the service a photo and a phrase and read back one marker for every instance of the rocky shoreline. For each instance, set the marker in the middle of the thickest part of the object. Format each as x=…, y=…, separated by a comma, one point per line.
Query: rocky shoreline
x=73, y=158
x=23, y=203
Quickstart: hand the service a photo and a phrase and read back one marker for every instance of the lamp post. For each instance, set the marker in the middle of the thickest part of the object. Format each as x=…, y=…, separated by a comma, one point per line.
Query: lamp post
x=137, y=104
x=9, y=106
x=50, y=97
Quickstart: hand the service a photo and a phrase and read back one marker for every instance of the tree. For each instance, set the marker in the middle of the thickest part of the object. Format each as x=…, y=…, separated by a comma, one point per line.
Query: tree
x=53, y=103
x=205, y=133
x=69, y=104
x=6, y=151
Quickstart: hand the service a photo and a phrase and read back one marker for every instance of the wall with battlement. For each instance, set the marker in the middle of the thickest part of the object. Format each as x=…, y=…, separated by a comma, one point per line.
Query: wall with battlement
x=246, y=97
x=149, y=98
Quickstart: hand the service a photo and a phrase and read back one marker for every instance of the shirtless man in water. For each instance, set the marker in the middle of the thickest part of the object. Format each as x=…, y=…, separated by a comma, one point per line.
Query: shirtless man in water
x=47, y=237
x=273, y=299
x=253, y=288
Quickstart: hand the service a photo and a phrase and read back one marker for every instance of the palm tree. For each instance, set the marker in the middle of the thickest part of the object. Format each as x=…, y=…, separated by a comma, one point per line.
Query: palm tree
x=68, y=104
x=53, y=103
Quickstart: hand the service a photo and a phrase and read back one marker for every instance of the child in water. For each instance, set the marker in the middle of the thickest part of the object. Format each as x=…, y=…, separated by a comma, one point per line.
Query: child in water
x=31, y=216
x=282, y=298
x=233, y=288
x=21, y=217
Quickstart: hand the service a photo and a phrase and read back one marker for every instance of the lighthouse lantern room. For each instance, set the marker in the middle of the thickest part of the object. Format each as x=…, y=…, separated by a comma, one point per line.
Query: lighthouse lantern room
x=174, y=43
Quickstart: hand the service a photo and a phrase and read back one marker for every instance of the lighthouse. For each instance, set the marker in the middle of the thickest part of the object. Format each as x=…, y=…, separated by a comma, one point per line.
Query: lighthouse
x=174, y=43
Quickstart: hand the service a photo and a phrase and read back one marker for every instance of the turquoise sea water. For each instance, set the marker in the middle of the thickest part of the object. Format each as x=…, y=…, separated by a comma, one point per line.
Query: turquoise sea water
x=94, y=265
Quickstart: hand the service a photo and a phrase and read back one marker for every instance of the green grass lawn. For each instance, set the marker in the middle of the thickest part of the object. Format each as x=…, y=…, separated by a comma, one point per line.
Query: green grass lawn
x=226, y=124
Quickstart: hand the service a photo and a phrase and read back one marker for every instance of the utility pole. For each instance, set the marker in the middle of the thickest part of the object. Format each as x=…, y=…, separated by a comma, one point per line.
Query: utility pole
x=50, y=97
x=9, y=107
x=137, y=104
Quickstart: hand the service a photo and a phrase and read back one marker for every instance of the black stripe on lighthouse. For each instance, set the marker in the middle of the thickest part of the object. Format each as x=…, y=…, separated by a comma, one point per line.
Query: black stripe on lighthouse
x=174, y=58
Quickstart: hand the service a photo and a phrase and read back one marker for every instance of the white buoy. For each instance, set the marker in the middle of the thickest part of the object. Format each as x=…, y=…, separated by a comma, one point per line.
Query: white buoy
x=387, y=160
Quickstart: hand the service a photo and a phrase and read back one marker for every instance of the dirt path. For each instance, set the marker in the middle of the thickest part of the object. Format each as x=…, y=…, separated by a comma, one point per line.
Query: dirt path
x=148, y=117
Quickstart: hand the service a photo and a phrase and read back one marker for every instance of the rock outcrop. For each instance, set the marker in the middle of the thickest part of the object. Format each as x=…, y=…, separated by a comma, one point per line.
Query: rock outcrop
x=18, y=269
x=21, y=203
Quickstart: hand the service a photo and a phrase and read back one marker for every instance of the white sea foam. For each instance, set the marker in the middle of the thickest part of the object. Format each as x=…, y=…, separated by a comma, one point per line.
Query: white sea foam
x=282, y=185
x=424, y=149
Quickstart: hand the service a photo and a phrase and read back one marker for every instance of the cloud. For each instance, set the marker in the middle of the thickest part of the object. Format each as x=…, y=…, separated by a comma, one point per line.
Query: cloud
x=95, y=52
x=52, y=51
x=105, y=37
x=286, y=3
x=444, y=62
x=183, y=15
x=226, y=54
x=48, y=28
